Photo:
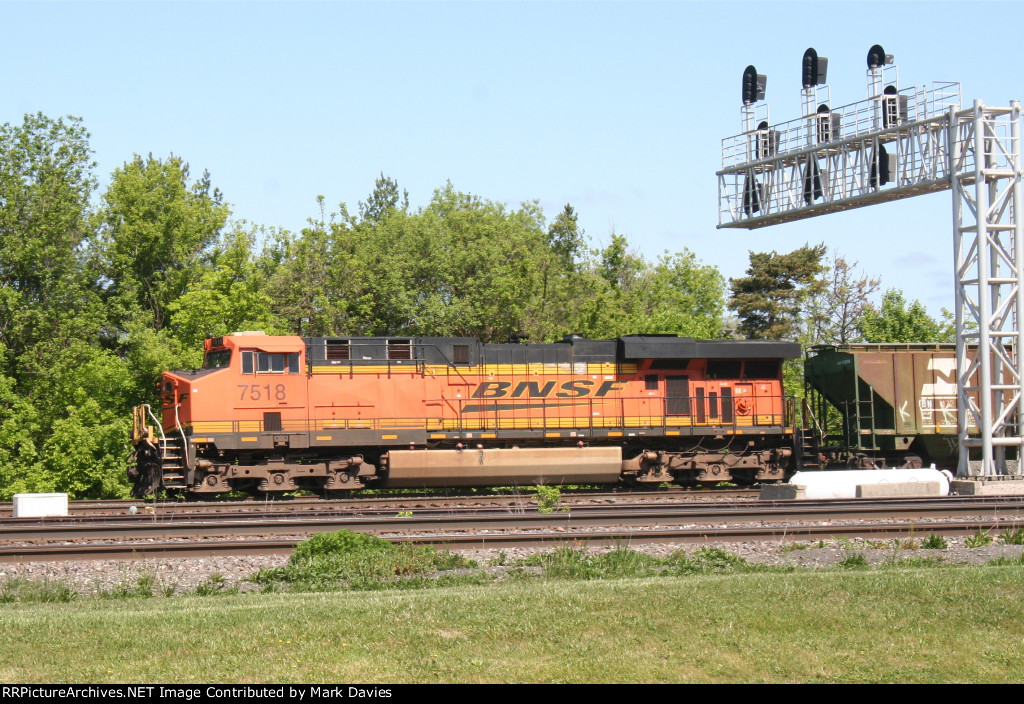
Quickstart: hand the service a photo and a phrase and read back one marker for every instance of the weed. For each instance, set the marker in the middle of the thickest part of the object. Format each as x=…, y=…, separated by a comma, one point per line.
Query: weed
x=979, y=540
x=403, y=514
x=790, y=547
x=548, y=498
x=934, y=542
x=1006, y=561
x=215, y=584
x=853, y=560
x=142, y=588
x=1012, y=537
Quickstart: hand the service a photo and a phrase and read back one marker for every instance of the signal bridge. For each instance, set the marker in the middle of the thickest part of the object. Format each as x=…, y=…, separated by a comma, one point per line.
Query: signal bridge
x=893, y=145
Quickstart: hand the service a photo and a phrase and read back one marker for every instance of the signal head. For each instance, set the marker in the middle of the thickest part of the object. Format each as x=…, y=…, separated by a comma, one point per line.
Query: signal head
x=753, y=85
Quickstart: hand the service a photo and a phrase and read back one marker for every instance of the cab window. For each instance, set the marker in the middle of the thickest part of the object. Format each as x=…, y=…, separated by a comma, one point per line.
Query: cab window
x=217, y=359
x=259, y=362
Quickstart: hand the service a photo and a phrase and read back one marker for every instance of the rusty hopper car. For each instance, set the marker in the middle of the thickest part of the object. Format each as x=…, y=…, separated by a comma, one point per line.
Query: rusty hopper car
x=272, y=414
x=894, y=404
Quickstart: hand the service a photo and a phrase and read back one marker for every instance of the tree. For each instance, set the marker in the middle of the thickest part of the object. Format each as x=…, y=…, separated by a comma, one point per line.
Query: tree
x=64, y=397
x=897, y=321
x=686, y=298
x=836, y=310
x=769, y=300
x=155, y=228
x=383, y=200
x=624, y=294
x=45, y=184
x=230, y=294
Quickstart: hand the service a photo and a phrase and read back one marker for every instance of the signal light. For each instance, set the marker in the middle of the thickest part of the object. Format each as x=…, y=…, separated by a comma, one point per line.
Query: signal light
x=882, y=166
x=766, y=141
x=754, y=84
x=812, y=181
x=752, y=191
x=828, y=124
x=877, y=57
x=894, y=107
x=814, y=68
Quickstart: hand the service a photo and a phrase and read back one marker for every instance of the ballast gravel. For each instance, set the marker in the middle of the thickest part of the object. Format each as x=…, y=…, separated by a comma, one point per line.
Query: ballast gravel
x=185, y=575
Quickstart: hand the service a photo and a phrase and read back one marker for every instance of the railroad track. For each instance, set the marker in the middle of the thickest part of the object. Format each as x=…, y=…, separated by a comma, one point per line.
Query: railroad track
x=274, y=546
x=142, y=536
x=312, y=505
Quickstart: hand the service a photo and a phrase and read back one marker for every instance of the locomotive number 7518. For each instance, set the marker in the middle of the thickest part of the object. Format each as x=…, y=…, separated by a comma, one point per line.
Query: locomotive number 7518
x=255, y=392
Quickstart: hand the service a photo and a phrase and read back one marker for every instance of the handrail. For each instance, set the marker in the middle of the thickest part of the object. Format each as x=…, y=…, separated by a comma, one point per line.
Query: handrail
x=184, y=440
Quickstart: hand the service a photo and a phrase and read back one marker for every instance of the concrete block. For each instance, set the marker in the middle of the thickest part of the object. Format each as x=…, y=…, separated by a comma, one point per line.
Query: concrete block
x=40, y=505
x=898, y=489
x=783, y=492
x=987, y=487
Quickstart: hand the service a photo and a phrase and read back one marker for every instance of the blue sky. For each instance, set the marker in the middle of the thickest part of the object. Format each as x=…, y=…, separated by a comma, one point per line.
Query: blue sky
x=616, y=108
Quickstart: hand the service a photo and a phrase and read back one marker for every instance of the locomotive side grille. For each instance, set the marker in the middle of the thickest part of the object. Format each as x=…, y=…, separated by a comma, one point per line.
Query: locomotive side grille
x=677, y=395
x=272, y=422
x=399, y=349
x=338, y=350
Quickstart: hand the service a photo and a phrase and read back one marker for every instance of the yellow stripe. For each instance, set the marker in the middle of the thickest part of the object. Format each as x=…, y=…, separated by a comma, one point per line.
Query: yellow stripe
x=324, y=437
x=249, y=439
x=615, y=433
x=567, y=369
x=552, y=435
x=526, y=422
x=388, y=437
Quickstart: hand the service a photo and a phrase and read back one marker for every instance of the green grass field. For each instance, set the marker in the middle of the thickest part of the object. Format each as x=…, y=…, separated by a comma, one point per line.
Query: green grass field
x=947, y=624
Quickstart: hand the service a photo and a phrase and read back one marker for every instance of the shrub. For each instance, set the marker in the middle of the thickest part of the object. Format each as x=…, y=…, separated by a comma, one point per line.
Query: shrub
x=934, y=542
x=548, y=498
x=330, y=561
x=1012, y=537
x=853, y=560
x=979, y=540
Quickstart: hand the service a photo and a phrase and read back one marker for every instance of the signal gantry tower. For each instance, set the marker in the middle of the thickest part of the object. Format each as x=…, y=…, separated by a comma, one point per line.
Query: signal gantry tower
x=896, y=144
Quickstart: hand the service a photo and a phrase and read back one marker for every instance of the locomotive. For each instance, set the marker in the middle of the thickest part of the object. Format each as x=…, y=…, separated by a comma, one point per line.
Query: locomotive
x=272, y=414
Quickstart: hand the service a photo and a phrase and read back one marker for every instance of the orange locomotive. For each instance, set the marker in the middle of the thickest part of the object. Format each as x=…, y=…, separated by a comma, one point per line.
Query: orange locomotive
x=271, y=414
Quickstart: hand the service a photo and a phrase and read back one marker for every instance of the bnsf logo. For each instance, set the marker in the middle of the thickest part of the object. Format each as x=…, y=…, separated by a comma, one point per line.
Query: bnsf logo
x=533, y=389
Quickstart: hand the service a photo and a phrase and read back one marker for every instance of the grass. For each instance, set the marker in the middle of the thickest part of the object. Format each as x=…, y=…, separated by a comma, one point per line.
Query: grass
x=356, y=608
x=347, y=560
x=888, y=625
x=577, y=564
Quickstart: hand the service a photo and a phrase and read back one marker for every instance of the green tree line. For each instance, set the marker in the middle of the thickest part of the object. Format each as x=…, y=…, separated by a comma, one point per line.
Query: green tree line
x=102, y=291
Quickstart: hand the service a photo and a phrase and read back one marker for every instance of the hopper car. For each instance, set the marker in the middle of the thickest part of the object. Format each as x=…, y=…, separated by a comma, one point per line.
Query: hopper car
x=882, y=405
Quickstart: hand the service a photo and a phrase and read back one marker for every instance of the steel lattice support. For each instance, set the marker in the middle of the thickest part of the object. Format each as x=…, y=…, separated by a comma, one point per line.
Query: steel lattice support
x=897, y=145
x=985, y=164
